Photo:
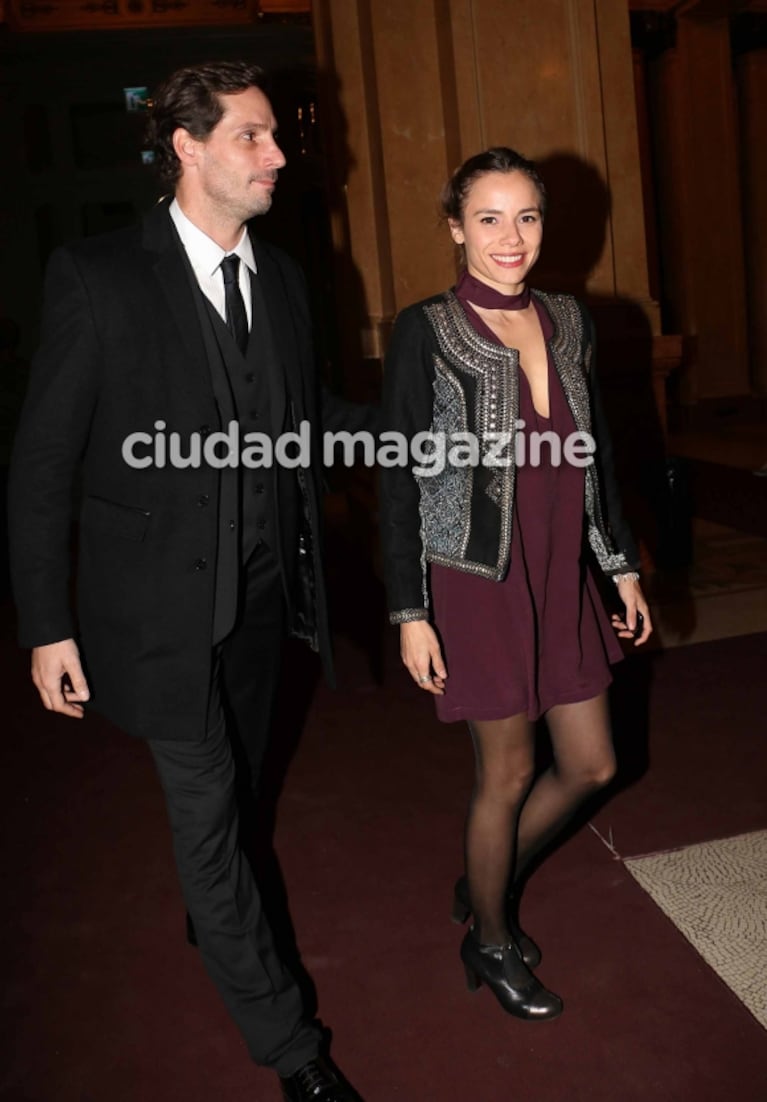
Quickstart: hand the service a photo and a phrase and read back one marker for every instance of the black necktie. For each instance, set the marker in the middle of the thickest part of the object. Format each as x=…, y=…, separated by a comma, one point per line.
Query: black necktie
x=236, y=318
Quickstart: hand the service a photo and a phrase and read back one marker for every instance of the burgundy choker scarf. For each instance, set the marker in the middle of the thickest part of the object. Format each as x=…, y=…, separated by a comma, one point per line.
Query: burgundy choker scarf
x=482, y=294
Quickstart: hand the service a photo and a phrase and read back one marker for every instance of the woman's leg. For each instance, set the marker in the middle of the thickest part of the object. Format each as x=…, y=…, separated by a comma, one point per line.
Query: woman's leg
x=504, y=758
x=505, y=761
x=584, y=761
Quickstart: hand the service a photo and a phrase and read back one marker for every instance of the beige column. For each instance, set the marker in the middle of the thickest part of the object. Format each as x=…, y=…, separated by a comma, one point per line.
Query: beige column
x=350, y=124
x=701, y=240
x=751, y=73
x=621, y=141
x=381, y=92
x=412, y=88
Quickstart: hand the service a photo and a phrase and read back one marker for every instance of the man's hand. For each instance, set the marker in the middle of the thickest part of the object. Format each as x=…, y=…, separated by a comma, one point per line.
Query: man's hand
x=421, y=654
x=59, y=678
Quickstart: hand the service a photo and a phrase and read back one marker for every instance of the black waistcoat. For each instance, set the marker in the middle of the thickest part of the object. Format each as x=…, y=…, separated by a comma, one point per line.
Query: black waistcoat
x=249, y=389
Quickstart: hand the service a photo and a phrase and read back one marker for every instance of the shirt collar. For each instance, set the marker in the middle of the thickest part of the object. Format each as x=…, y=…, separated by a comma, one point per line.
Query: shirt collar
x=203, y=250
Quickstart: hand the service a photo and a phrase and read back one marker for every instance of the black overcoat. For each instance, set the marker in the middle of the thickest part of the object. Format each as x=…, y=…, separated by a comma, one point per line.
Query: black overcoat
x=121, y=349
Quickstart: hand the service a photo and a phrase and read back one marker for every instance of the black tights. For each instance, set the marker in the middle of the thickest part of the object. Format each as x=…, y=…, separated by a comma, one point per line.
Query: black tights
x=511, y=818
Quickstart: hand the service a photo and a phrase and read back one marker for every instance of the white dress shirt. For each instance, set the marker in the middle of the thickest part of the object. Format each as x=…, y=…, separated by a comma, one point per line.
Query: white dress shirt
x=205, y=256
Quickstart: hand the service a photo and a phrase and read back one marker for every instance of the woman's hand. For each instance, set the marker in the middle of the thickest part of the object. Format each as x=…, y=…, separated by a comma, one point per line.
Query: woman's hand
x=421, y=653
x=631, y=594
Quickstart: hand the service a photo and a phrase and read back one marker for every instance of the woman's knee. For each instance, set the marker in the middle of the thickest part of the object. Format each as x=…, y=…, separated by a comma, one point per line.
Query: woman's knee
x=508, y=786
x=594, y=774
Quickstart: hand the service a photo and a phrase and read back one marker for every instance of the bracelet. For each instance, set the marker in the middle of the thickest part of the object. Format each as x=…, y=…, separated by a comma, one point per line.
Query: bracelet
x=631, y=576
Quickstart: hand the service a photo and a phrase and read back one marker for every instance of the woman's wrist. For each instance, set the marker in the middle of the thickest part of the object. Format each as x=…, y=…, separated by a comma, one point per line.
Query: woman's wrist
x=408, y=615
x=628, y=576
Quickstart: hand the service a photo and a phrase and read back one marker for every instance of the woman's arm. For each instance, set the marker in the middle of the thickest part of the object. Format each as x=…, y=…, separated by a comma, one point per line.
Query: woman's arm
x=407, y=410
x=608, y=482
x=629, y=626
x=619, y=529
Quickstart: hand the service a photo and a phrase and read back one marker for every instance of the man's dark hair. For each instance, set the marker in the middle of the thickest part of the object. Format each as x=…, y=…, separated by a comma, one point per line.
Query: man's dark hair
x=189, y=99
x=497, y=159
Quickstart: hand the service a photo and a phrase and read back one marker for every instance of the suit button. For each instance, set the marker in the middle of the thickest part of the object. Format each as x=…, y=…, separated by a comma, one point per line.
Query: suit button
x=258, y=488
x=261, y=524
x=203, y=499
x=250, y=377
x=232, y=526
x=253, y=413
x=204, y=430
x=201, y=564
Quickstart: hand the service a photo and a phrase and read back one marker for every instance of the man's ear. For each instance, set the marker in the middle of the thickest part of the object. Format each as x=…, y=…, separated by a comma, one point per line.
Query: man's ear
x=186, y=147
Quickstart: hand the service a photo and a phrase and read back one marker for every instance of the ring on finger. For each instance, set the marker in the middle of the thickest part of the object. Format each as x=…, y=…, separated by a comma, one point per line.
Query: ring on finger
x=423, y=680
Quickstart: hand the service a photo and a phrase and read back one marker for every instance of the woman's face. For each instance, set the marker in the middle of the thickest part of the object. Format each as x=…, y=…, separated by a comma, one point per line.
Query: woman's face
x=501, y=230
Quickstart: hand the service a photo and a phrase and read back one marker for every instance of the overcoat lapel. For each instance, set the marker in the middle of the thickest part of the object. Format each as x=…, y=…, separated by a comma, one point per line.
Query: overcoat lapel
x=276, y=301
x=177, y=293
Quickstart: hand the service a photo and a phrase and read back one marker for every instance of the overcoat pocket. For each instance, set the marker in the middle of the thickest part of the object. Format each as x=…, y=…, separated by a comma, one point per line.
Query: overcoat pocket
x=129, y=522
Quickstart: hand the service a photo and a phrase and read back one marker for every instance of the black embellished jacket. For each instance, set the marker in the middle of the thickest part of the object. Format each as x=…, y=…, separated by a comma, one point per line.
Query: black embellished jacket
x=442, y=377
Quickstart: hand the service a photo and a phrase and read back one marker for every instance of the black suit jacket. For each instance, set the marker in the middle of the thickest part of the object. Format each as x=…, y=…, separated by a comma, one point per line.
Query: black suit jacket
x=122, y=348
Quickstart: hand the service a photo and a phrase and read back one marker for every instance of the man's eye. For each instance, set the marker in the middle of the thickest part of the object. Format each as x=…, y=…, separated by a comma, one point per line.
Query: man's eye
x=488, y=220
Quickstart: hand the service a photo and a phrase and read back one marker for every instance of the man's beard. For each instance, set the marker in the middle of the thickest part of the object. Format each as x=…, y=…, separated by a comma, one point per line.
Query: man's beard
x=262, y=202
x=260, y=205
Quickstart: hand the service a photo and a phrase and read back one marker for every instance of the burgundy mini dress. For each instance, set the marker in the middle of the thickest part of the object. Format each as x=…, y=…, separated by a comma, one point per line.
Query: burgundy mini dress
x=541, y=636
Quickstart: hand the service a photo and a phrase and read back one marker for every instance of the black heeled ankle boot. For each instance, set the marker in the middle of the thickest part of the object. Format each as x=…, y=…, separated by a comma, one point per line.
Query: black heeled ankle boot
x=531, y=954
x=515, y=987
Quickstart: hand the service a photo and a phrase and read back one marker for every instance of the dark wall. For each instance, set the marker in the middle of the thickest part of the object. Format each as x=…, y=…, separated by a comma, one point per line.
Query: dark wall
x=72, y=154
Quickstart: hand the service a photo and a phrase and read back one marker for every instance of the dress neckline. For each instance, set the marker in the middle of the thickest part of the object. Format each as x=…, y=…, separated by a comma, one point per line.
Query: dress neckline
x=464, y=293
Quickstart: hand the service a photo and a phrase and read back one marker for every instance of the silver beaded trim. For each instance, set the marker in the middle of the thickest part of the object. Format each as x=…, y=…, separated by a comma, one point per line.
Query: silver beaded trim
x=445, y=502
x=492, y=369
x=408, y=615
x=469, y=361
x=629, y=576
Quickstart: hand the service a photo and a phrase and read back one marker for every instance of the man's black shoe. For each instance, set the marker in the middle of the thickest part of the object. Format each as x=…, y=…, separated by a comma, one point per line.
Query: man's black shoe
x=317, y=1082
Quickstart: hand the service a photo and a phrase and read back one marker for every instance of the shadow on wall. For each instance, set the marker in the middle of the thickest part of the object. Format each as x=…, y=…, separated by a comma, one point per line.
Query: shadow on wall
x=355, y=364
x=353, y=561
x=656, y=503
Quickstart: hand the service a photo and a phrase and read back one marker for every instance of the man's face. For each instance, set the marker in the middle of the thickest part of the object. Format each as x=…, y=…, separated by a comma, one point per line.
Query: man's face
x=238, y=162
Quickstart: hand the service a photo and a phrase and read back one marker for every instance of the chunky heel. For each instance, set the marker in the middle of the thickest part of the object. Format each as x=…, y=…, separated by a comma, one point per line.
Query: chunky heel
x=473, y=981
x=501, y=968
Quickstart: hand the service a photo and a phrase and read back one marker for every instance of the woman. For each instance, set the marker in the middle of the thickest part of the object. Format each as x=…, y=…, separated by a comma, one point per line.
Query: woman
x=488, y=561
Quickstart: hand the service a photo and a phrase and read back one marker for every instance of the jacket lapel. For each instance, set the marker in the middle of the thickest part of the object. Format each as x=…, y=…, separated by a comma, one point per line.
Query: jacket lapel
x=567, y=353
x=177, y=292
x=282, y=323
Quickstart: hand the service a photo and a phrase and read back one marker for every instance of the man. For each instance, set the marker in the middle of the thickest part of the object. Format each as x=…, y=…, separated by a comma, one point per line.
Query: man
x=188, y=572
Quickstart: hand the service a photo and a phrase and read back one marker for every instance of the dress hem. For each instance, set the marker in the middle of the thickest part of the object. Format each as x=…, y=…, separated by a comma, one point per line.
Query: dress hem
x=498, y=713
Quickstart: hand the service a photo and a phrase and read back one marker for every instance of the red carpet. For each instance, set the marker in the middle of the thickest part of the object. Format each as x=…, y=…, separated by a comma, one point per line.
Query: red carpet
x=104, y=1001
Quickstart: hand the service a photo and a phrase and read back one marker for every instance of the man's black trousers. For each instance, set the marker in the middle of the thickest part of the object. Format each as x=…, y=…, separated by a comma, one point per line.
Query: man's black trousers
x=198, y=778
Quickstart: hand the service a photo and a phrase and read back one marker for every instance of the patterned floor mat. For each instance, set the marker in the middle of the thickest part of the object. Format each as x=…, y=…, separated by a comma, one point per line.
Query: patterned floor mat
x=715, y=893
